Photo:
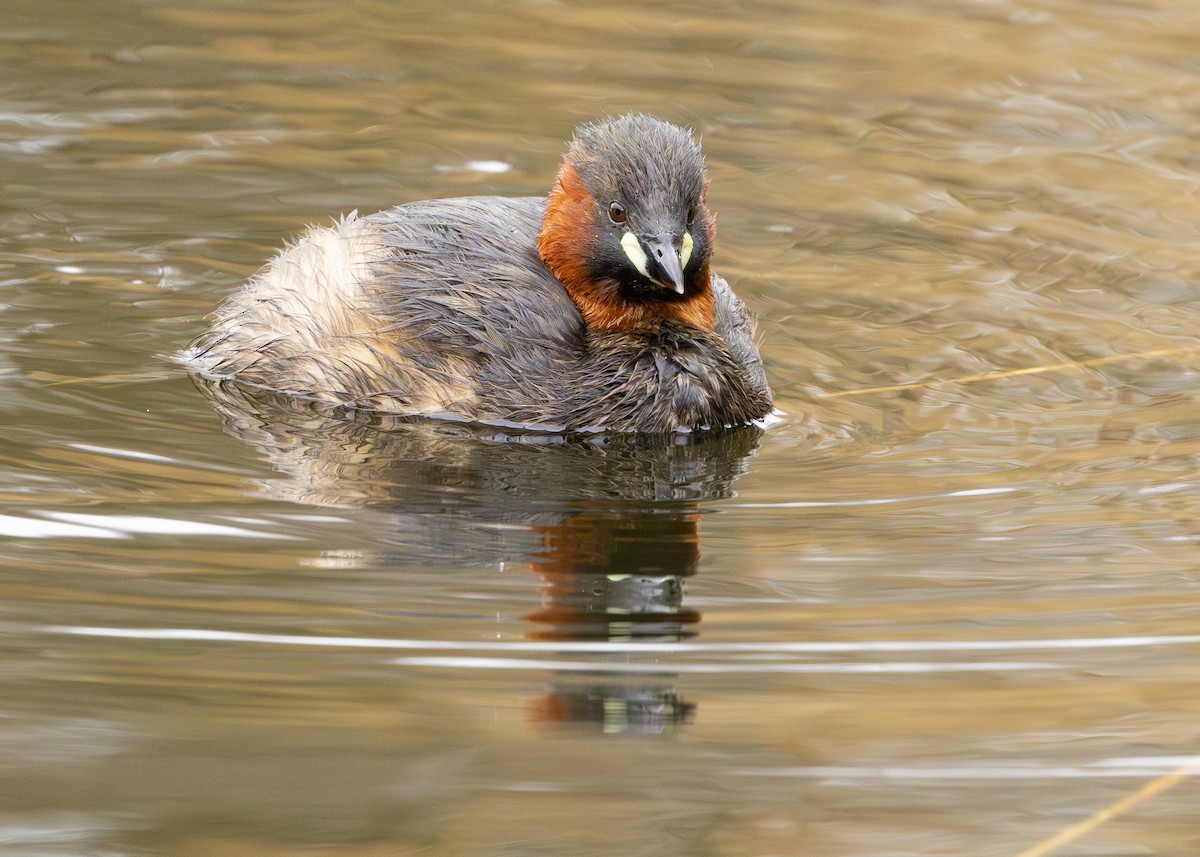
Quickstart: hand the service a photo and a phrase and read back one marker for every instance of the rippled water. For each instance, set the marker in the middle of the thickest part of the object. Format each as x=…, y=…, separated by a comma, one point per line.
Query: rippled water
x=945, y=607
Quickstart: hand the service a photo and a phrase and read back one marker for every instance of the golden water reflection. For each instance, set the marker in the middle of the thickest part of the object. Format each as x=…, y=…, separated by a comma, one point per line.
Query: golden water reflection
x=947, y=606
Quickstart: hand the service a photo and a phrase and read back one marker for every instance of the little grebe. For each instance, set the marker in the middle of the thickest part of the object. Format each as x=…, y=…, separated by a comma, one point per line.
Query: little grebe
x=594, y=309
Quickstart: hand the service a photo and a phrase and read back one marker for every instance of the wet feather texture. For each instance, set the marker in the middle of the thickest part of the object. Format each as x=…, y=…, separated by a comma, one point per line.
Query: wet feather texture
x=520, y=311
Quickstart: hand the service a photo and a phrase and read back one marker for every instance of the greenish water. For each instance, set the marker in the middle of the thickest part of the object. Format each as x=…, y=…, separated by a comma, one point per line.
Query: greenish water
x=946, y=606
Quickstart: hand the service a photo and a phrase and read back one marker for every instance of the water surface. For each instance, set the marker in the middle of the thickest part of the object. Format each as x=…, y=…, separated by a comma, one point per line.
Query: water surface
x=945, y=607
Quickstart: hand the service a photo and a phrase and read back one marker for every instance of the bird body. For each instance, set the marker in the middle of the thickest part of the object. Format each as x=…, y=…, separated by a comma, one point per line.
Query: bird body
x=552, y=314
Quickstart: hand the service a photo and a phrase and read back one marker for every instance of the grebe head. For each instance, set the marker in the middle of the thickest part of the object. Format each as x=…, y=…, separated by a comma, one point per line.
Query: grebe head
x=627, y=231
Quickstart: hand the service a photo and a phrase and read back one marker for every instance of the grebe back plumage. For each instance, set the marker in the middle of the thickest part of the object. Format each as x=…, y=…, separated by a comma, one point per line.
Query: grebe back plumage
x=593, y=309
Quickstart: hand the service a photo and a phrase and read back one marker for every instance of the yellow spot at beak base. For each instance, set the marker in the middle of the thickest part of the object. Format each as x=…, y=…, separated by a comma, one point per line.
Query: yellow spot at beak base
x=633, y=249
x=685, y=251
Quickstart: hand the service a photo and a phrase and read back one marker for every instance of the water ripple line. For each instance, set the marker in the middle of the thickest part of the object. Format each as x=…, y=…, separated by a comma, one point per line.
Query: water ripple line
x=798, y=647
x=711, y=669
x=878, y=501
x=984, y=771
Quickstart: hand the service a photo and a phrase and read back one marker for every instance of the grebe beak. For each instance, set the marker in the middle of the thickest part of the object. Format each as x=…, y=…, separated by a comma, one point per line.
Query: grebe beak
x=657, y=258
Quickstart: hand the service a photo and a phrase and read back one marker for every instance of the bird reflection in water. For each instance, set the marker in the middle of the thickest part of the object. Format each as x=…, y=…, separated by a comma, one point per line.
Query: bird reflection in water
x=609, y=524
x=617, y=574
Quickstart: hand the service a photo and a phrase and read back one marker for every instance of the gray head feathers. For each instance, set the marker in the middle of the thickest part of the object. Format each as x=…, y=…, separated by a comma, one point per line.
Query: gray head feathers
x=641, y=160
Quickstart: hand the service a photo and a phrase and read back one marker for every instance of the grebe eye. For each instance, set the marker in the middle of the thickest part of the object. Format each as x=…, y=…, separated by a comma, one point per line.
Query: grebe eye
x=616, y=213
x=691, y=215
